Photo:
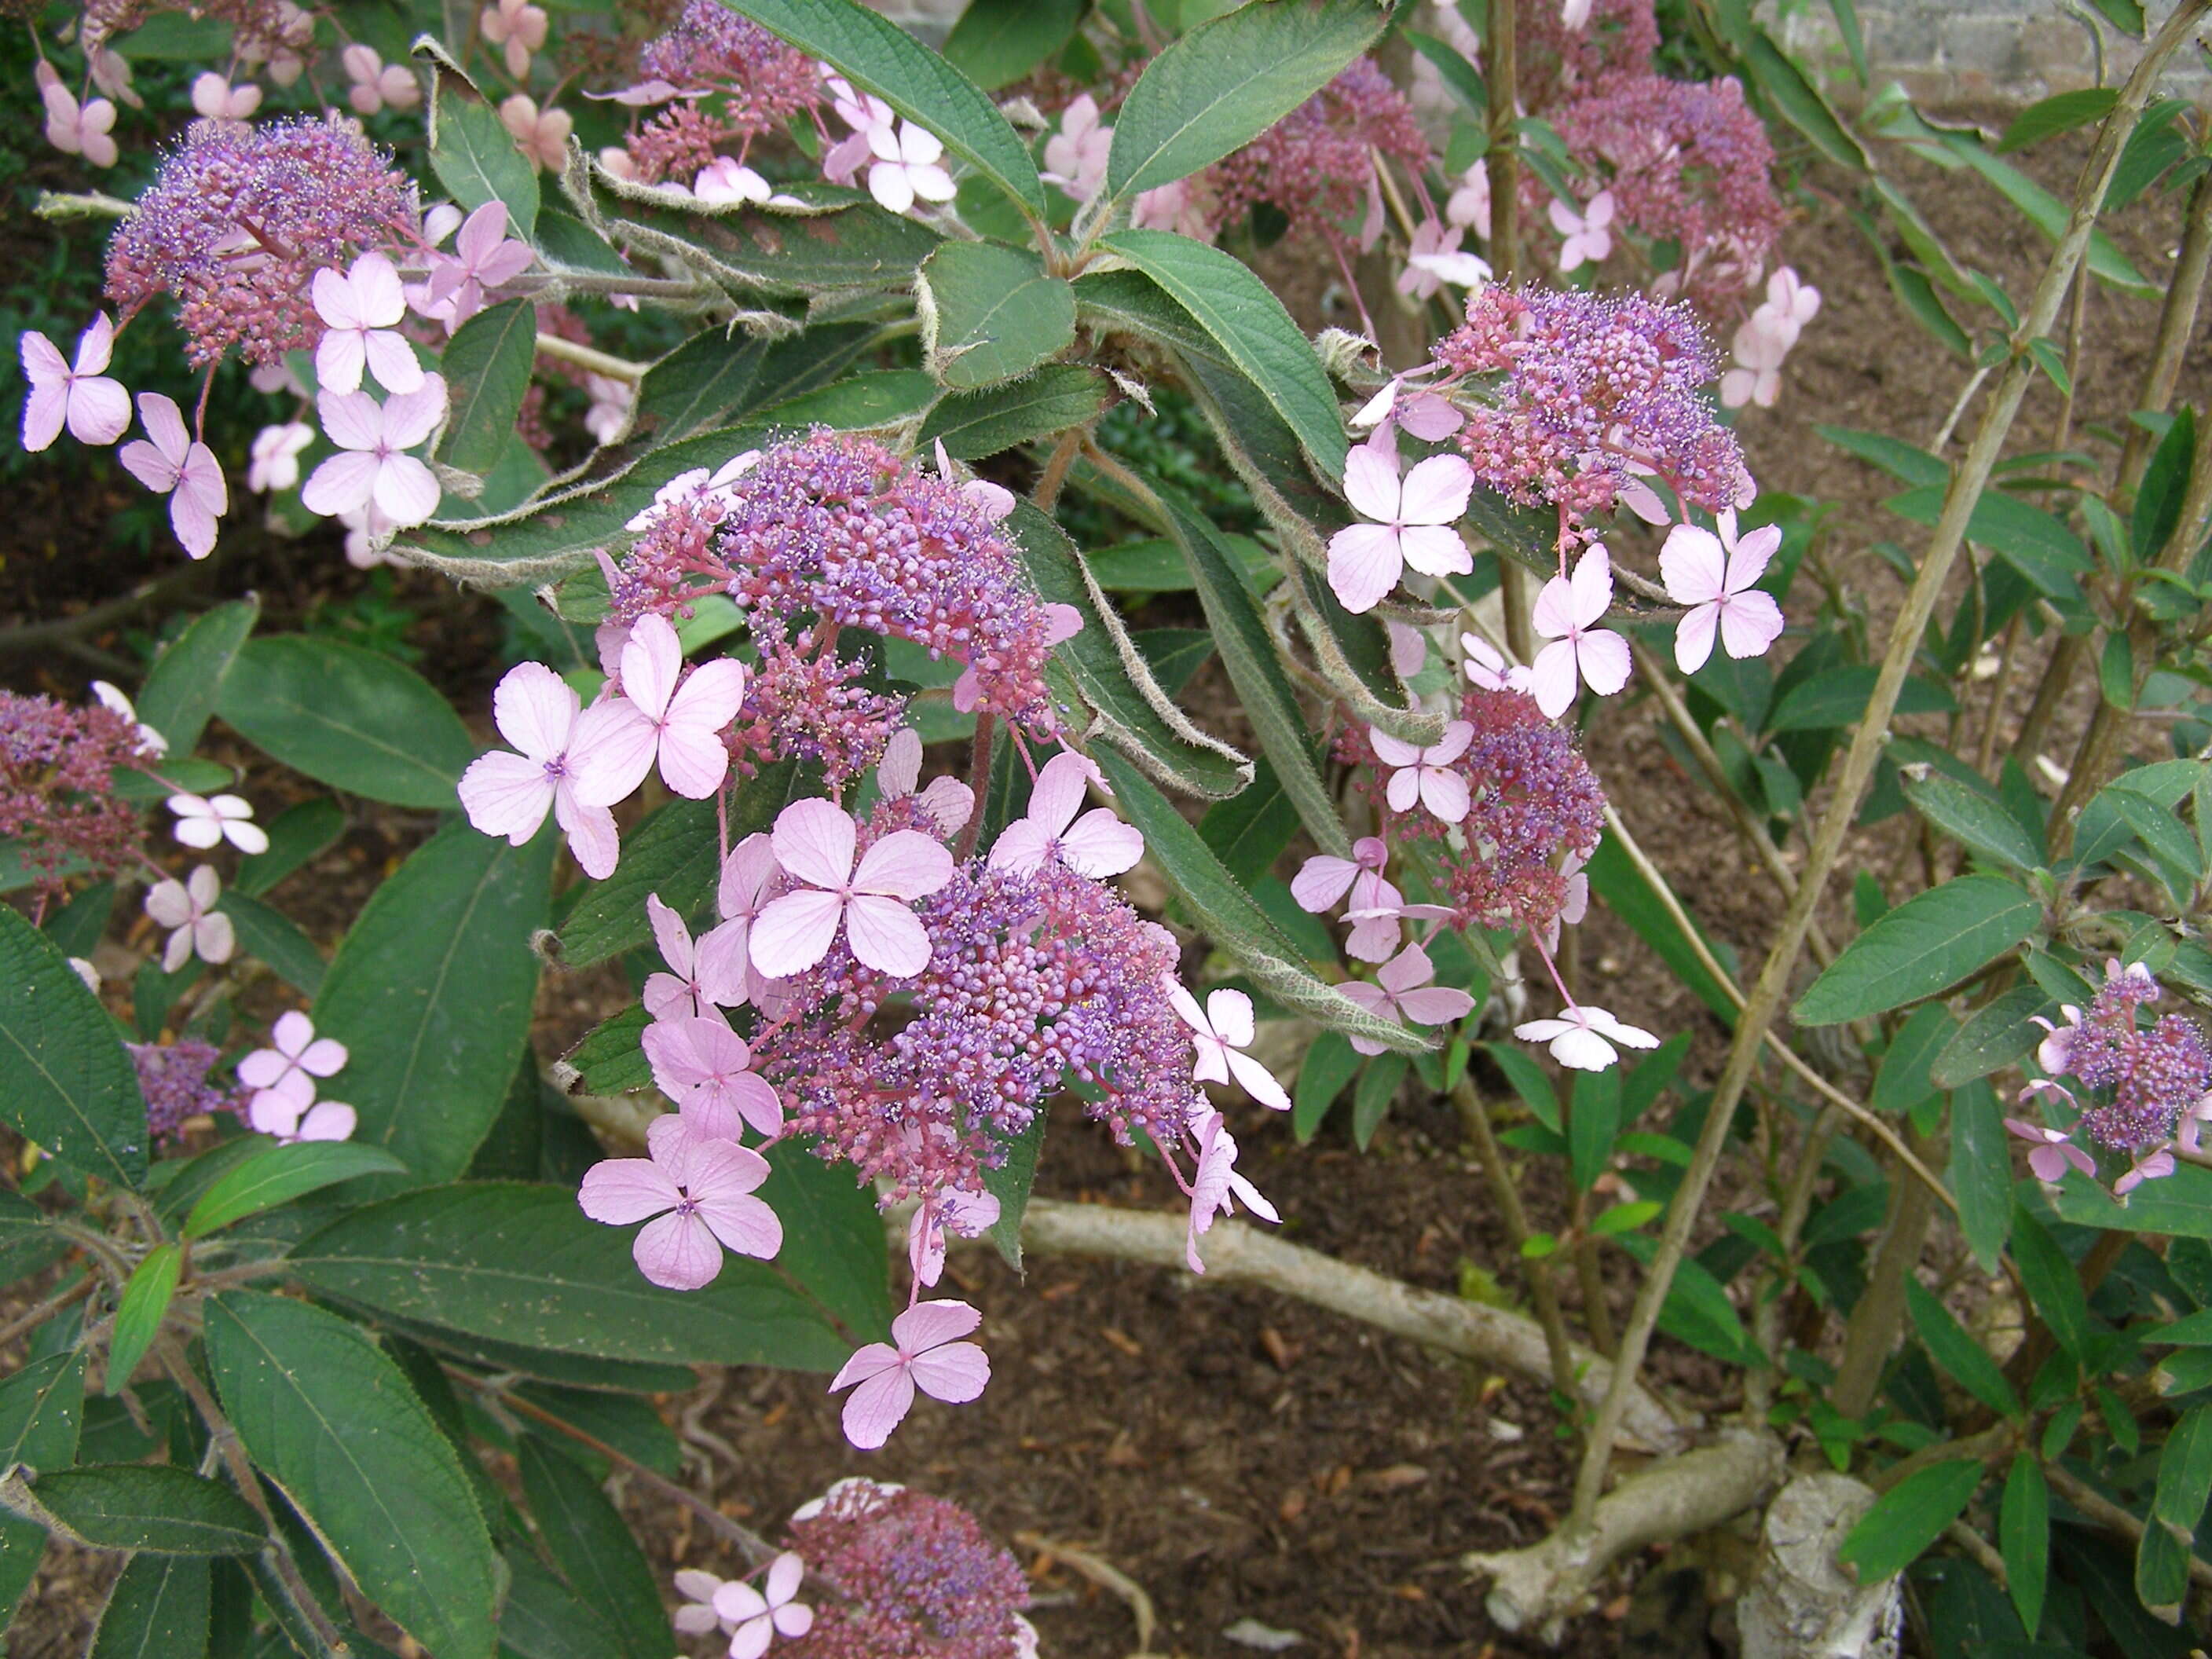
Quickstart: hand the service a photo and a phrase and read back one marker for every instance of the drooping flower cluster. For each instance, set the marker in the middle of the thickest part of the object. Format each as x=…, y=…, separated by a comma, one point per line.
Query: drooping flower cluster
x=723, y=80
x=1316, y=166
x=241, y=218
x=58, y=801
x=1595, y=396
x=173, y=1078
x=1562, y=51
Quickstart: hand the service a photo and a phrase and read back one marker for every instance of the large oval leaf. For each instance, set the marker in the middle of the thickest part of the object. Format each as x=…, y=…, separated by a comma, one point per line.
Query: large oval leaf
x=65, y=1079
x=276, y=1175
x=990, y=312
x=41, y=1407
x=1930, y=941
x=151, y=1506
x=158, y=1609
x=973, y=424
x=354, y=719
x=334, y=1423
x=474, y=154
x=487, y=367
x=180, y=691
x=431, y=993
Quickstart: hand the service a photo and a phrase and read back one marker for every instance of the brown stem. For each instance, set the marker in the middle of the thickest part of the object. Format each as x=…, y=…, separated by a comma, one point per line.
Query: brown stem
x=1766, y=1001
x=1505, y=152
x=46, y=1309
x=2177, y=325
x=2107, y=1514
x=1050, y=481
x=1878, y=1313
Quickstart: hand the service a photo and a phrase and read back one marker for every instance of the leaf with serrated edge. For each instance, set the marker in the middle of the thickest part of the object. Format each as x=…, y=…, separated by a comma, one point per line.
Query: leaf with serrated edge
x=65, y=1079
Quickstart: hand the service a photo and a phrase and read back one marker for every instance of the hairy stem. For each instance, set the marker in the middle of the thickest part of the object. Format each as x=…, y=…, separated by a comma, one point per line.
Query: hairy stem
x=589, y=358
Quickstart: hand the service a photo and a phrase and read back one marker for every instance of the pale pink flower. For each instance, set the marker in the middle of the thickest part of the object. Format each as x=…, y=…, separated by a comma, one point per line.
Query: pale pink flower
x=756, y=1618
x=1425, y=414
x=1403, y=990
x=1583, y=1036
x=1214, y=1186
x=519, y=28
x=188, y=907
x=484, y=256
x=725, y=179
x=867, y=114
x=216, y=98
x=1097, y=845
x=815, y=842
x=1324, y=879
x=540, y=135
x=609, y=412
x=360, y=310
x=76, y=130
x=1713, y=575
x=1413, y=524
x=655, y=718
x=697, y=1616
x=1566, y=613
x=377, y=83
x=290, y=1112
x=1589, y=231
x=510, y=795
x=1575, y=14
x=969, y=1214
x=298, y=1057
x=2156, y=1167
x=750, y=875
x=96, y=409
x=705, y=1067
x=1759, y=347
x=698, y=1190
x=700, y=976
x=1574, y=906
x=1075, y=156
x=1435, y=258
x=1425, y=774
x=1469, y=202
x=1486, y=666
x=908, y=166
x=1221, y=1031
x=175, y=465
x=204, y=822
x=1790, y=298
x=2053, y=1152
x=949, y=802
x=928, y=1355
x=1409, y=648
x=374, y=467
x=1377, y=911
x=274, y=462
x=1176, y=207
x=367, y=532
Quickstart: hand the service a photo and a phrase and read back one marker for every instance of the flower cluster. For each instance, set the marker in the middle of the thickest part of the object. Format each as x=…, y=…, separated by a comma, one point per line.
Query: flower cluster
x=173, y=1078
x=721, y=80
x=241, y=218
x=1316, y=166
x=58, y=801
x=1562, y=50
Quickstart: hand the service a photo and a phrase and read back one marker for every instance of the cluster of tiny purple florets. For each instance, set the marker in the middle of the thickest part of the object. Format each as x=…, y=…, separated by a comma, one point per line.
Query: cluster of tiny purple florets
x=1035, y=983
x=834, y=532
x=58, y=802
x=174, y=1078
x=1594, y=394
x=2155, y=1073
x=917, y=1577
x=761, y=82
x=1315, y=164
x=241, y=218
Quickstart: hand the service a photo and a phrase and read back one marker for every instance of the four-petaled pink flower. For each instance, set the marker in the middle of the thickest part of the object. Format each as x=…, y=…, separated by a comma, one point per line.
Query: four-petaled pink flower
x=504, y=794
x=216, y=98
x=815, y=841
x=1486, y=666
x=698, y=1190
x=374, y=468
x=2156, y=1167
x=1588, y=232
x=518, y=29
x=176, y=465
x=907, y=165
x=79, y=129
x=1583, y=1034
x=1713, y=575
x=375, y=82
x=1324, y=879
x=705, y=1068
x=1404, y=991
x=969, y=1214
x=290, y=1112
x=96, y=409
x=484, y=256
x=1220, y=1032
x=1097, y=845
x=749, y=875
x=949, y=802
x=274, y=463
x=1566, y=613
x=1414, y=518
x=188, y=907
x=754, y=1618
x=703, y=976
x=361, y=309
x=299, y=1057
x=726, y=179
x=1215, y=1184
x=1435, y=258
x=541, y=135
x=1425, y=774
x=1075, y=156
x=2053, y=1151
x=655, y=718
x=929, y=1356
x=206, y=821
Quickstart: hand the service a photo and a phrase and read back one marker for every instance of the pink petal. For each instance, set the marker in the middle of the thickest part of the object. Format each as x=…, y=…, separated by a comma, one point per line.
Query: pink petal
x=1364, y=564
x=1230, y=1013
x=1444, y=793
x=1553, y=678
x=1101, y=845
x=1693, y=637
x=1320, y=881
x=1753, y=553
x=45, y=411
x=1458, y=739
x=1435, y=550
x=884, y=935
x=756, y=1102
x=1692, y=565
x=900, y=769
x=956, y=1373
x=99, y=410
x=1409, y=968
x=96, y=347
x=195, y=525
x=1602, y=656
x=535, y=710
x=165, y=425
x=871, y=1360
x=720, y=963
x=679, y=1252
x=391, y=359
x=650, y=658
x=405, y=491
x=1435, y=491
x=926, y=1324
x=146, y=463
x=745, y=873
x=905, y=864
x=744, y=1224
x=1435, y=1005
x=1257, y=1081
x=410, y=416
x=793, y=933
x=670, y=936
x=1061, y=784
x=1750, y=622
x=340, y=357
x=612, y=751
x=1370, y=484
x=1553, y=614
x=880, y=1404
x=814, y=840
x=592, y=834
x=1404, y=789
x=1591, y=586
x=693, y=761
x=621, y=1191
x=324, y=1057
x=1375, y=937
x=1021, y=847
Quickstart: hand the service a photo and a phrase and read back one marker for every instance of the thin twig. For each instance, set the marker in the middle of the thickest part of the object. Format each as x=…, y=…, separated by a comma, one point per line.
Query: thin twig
x=46, y=1309
x=591, y=359
x=2107, y=1514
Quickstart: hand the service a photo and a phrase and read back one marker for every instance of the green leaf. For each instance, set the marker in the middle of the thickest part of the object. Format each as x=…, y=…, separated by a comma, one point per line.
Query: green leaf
x=1995, y=1034
x=1255, y=669
x=2036, y=544
x=1227, y=81
x=1965, y=1360
x=1698, y=1311
x=271, y=937
x=275, y=1175
x=2184, y=1474
x=1593, y=1120
x=334, y=1423
x=351, y=718
x=138, y=1315
x=1785, y=86
x=1838, y=697
x=1233, y=918
x=1933, y=940
x=486, y=369
x=2053, y=1286
x=65, y=1079
x=833, y=1238
x=2180, y=1204
x=973, y=424
x=1330, y=1063
x=158, y=1609
x=475, y=156
x=2024, y=1538
x=522, y=1265
x=674, y=853
x=711, y=380
x=1133, y=712
x=1902, y=461
x=1011, y=1183
x=594, y=1547
x=1902, y=1081
x=761, y=252
x=997, y=42
x=1980, y=1172
x=2165, y=486
x=1464, y=79
x=1371, y=1101
x=40, y=1406
x=2045, y=211
x=2124, y=14
x=431, y=994
x=187, y=678
x=1248, y=832
x=611, y=1057
x=2162, y=1574
x=543, y=1618
x=878, y=55
x=297, y=836
x=1249, y=323
x=990, y=312
x=2048, y=117
x=1913, y=290
x=1975, y=820
x=150, y=1506
x=1909, y=1517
